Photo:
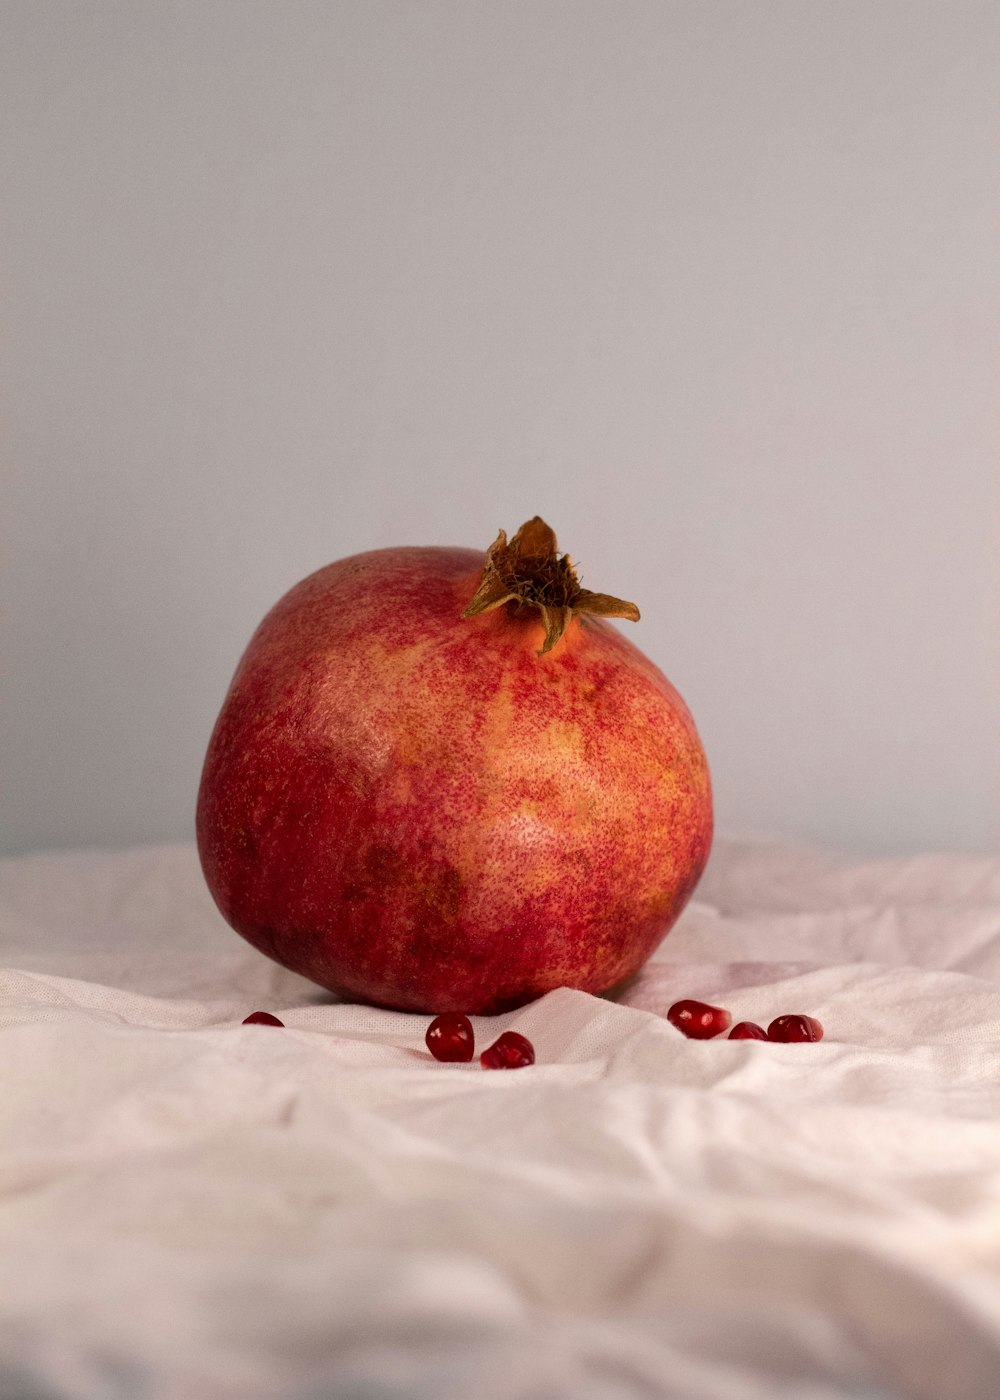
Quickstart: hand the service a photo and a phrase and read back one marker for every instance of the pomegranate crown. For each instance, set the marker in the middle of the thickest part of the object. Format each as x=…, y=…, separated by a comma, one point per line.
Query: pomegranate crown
x=529, y=572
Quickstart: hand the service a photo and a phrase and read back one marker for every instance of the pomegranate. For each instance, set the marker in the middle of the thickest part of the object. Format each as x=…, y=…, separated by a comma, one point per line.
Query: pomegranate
x=450, y=1037
x=511, y=1050
x=747, y=1030
x=442, y=782
x=261, y=1018
x=698, y=1020
x=795, y=1028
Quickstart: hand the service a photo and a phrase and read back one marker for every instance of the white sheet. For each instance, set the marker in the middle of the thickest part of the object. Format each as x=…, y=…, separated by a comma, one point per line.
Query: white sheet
x=192, y=1209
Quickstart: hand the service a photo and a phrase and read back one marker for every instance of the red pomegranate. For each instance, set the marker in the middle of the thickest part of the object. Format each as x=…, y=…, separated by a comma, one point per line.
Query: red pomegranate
x=442, y=783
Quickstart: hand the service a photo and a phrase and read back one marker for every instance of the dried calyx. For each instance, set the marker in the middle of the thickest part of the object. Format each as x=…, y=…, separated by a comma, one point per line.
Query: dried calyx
x=529, y=572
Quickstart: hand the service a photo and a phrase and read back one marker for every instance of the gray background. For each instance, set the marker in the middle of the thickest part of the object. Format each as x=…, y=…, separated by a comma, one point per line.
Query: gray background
x=711, y=286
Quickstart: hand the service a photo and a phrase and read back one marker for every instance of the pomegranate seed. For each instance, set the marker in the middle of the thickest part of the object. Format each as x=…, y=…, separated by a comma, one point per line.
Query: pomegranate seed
x=698, y=1020
x=747, y=1030
x=449, y=1037
x=262, y=1018
x=510, y=1051
x=795, y=1028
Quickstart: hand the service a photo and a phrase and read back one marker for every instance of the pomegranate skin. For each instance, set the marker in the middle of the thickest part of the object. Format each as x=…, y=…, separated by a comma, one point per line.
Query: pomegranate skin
x=415, y=809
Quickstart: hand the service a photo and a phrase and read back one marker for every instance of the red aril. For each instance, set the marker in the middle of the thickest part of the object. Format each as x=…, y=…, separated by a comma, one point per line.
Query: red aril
x=795, y=1028
x=698, y=1020
x=450, y=1037
x=443, y=781
x=261, y=1018
x=510, y=1051
x=747, y=1030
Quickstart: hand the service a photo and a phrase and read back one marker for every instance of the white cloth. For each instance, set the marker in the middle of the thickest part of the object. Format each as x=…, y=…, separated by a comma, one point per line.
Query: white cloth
x=193, y=1209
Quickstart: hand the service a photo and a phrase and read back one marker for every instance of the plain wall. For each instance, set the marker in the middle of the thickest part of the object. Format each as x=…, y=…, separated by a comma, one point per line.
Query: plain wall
x=710, y=286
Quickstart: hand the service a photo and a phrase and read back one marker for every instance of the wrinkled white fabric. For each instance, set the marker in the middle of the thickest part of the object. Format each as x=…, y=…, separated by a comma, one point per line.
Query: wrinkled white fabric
x=193, y=1209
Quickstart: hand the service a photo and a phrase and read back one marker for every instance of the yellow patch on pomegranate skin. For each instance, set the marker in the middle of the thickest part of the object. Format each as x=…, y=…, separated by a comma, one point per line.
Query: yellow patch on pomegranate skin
x=440, y=782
